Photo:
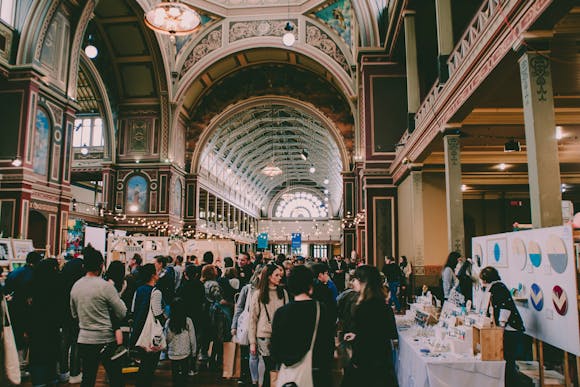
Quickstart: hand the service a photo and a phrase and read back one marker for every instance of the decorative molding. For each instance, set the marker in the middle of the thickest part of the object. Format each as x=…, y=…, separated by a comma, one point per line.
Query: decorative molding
x=540, y=71
x=47, y=22
x=320, y=40
x=250, y=29
x=57, y=113
x=77, y=47
x=210, y=43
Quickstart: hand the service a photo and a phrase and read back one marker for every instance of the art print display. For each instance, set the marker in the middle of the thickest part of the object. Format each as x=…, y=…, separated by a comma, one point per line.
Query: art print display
x=21, y=248
x=137, y=192
x=5, y=250
x=41, y=142
x=539, y=269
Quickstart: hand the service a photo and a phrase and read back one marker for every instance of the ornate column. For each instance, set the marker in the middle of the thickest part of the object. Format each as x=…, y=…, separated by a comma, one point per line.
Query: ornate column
x=417, y=219
x=349, y=211
x=541, y=142
x=454, y=195
x=444, y=37
x=413, y=91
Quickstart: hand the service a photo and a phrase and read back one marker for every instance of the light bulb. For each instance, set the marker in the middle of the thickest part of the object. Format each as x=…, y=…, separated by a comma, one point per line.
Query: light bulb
x=325, y=181
x=288, y=39
x=84, y=150
x=91, y=51
x=312, y=169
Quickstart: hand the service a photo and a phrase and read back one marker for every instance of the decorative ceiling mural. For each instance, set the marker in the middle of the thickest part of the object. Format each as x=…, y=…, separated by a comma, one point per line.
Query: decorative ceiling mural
x=338, y=16
x=182, y=40
x=255, y=3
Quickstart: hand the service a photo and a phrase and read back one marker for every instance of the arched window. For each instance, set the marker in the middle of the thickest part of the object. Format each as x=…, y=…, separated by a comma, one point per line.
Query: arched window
x=42, y=129
x=88, y=132
x=301, y=204
x=7, y=11
x=137, y=192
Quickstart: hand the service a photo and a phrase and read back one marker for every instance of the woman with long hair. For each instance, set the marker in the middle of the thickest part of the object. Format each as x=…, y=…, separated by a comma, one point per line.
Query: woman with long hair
x=448, y=276
x=216, y=313
x=264, y=302
x=181, y=343
x=374, y=328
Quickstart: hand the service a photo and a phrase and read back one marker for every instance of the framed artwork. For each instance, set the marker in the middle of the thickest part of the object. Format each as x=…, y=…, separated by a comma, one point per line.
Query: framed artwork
x=497, y=252
x=21, y=248
x=41, y=142
x=136, y=194
x=5, y=250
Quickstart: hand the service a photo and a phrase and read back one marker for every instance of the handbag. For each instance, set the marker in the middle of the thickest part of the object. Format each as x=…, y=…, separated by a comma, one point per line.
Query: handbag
x=11, y=361
x=152, y=337
x=300, y=374
x=242, y=337
x=231, y=360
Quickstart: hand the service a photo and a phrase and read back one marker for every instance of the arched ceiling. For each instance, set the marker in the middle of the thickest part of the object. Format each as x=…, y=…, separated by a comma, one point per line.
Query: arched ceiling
x=271, y=79
x=243, y=143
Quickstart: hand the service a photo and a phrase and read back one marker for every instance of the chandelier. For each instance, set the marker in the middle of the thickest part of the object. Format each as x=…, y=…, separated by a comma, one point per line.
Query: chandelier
x=271, y=170
x=172, y=18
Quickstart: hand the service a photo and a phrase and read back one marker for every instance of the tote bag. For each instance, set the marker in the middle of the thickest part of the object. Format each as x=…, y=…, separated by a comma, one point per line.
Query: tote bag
x=300, y=374
x=242, y=337
x=152, y=338
x=11, y=361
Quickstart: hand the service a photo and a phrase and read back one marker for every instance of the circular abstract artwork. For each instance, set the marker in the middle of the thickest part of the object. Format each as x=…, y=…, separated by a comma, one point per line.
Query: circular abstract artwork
x=519, y=256
x=557, y=255
x=537, y=297
x=535, y=253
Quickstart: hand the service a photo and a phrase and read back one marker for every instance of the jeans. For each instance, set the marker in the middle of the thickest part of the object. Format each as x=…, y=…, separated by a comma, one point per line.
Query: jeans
x=69, y=352
x=394, y=287
x=147, y=368
x=91, y=356
x=254, y=368
x=179, y=370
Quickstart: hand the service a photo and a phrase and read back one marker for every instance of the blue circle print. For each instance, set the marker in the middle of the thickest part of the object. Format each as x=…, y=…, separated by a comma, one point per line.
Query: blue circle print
x=496, y=252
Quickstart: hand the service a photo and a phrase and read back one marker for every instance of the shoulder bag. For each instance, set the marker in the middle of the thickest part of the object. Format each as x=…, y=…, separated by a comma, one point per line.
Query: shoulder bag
x=152, y=338
x=300, y=374
x=11, y=361
x=244, y=322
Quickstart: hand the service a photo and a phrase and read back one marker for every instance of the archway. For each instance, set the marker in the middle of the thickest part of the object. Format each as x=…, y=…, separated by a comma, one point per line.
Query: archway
x=37, y=229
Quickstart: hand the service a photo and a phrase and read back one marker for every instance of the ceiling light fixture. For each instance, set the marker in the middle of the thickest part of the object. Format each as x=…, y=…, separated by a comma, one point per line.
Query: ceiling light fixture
x=17, y=161
x=463, y=187
x=91, y=50
x=84, y=150
x=502, y=166
x=271, y=170
x=304, y=154
x=326, y=181
x=172, y=18
x=289, y=38
x=559, y=133
x=312, y=169
x=512, y=146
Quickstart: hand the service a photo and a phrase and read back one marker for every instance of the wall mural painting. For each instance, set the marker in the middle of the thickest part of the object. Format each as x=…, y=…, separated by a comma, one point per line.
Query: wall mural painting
x=339, y=17
x=177, y=188
x=41, y=142
x=136, y=195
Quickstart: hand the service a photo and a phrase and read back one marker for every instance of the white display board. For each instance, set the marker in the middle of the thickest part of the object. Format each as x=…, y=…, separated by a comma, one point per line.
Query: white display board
x=541, y=263
x=97, y=237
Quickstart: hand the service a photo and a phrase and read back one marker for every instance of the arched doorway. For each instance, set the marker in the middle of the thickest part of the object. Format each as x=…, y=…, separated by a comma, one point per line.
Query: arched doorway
x=37, y=229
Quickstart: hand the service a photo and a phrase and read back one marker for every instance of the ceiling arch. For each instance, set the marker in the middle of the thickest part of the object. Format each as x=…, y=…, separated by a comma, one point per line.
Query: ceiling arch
x=240, y=142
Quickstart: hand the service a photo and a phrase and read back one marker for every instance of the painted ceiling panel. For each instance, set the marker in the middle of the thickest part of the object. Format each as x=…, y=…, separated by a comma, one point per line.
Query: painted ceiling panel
x=127, y=39
x=138, y=80
x=267, y=55
x=255, y=3
x=112, y=8
x=223, y=66
x=338, y=16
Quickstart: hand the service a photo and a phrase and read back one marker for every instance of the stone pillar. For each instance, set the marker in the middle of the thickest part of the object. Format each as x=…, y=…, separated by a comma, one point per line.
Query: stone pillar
x=417, y=219
x=444, y=37
x=541, y=142
x=413, y=91
x=454, y=195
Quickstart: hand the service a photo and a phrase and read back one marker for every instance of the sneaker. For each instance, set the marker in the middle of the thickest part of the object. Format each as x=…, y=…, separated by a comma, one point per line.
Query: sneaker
x=192, y=373
x=64, y=377
x=119, y=351
x=76, y=379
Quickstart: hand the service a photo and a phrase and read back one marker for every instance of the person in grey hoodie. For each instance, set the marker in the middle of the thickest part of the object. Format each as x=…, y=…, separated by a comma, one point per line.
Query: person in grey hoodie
x=93, y=301
x=181, y=342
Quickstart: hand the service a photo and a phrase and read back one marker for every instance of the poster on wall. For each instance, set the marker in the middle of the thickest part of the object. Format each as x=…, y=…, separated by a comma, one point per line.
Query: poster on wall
x=21, y=248
x=75, y=237
x=5, y=251
x=540, y=264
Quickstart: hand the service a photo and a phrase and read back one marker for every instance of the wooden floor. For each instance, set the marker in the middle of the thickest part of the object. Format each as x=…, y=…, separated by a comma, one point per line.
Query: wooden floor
x=162, y=379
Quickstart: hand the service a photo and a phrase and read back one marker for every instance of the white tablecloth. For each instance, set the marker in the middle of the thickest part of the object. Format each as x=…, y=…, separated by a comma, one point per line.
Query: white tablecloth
x=415, y=369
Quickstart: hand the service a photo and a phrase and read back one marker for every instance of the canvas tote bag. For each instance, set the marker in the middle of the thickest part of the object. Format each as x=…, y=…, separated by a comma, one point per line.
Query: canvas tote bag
x=244, y=322
x=152, y=338
x=11, y=361
x=300, y=374
x=231, y=360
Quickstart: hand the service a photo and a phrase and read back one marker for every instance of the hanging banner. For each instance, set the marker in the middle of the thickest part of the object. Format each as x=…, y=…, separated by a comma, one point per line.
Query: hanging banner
x=296, y=241
x=263, y=240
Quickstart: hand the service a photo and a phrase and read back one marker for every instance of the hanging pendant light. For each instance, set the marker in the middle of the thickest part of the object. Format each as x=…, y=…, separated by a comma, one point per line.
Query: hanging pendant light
x=289, y=38
x=172, y=18
x=90, y=49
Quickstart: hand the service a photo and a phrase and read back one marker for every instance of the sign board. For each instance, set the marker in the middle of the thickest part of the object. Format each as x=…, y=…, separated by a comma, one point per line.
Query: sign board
x=296, y=241
x=541, y=264
x=263, y=240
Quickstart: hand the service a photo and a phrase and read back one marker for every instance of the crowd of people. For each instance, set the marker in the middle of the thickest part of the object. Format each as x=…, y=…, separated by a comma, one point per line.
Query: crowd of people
x=284, y=312
x=278, y=308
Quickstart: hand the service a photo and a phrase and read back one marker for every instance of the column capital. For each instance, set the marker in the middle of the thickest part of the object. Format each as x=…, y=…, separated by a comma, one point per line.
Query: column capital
x=534, y=42
x=451, y=129
x=409, y=12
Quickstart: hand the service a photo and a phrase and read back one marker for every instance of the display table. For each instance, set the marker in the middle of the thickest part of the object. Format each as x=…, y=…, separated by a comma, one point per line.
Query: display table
x=419, y=369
